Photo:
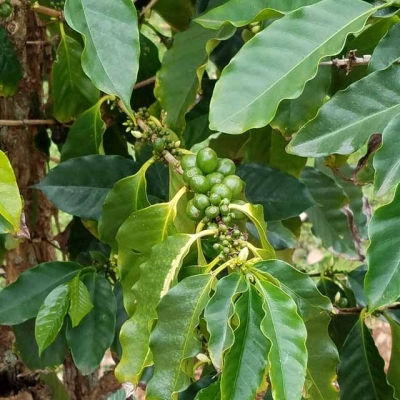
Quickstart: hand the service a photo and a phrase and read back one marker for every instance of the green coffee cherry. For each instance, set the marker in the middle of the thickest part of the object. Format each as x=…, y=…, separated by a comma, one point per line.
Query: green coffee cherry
x=193, y=212
x=212, y=226
x=216, y=246
x=235, y=214
x=207, y=160
x=215, y=177
x=226, y=166
x=227, y=219
x=234, y=183
x=5, y=10
x=222, y=190
x=212, y=212
x=215, y=199
x=200, y=184
x=224, y=209
x=190, y=173
x=159, y=145
x=201, y=201
x=188, y=162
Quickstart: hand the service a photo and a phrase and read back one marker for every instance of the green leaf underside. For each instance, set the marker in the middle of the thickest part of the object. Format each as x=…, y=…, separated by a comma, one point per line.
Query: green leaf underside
x=345, y=122
x=239, y=13
x=86, y=135
x=127, y=196
x=361, y=374
x=73, y=91
x=80, y=185
x=387, y=159
x=313, y=308
x=10, y=67
x=315, y=32
x=394, y=366
x=50, y=317
x=287, y=333
x=179, y=79
x=10, y=200
x=246, y=360
x=387, y=51
x=156, y=277
x=94, y=335
x=382, y=282
x=218, y=314
x=173, y=340
x=108, y=28
x=22, y=299
x=80, y=301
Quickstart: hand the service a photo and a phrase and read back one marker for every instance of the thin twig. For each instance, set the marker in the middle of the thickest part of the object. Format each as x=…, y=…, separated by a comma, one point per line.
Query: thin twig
x=22, y=122
x=357, y=310
x=146, y=82
x=39, y=43
x=147, y=8
x=48, y=11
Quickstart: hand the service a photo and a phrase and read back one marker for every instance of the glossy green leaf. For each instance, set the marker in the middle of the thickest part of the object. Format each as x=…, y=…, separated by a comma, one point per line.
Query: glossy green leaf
x=156, y=277
x=10, y=67
x=73, y=91
x=79, y=186
x=382, y=282
x=361, y=374
x=387, y=161
x=127, y=196
x=28, y=351
x=345, y=122
x=247, y=359
x=314, y=309
x=179, y=79
x=108, y=28
x=394, y=366
x=329, y=221
x=213, y=392
x=173, y=340
x=256, y=214
x=119, y=395
x=387, y=51
x=86, y=135
x=280, y=237
x=281, y=194
x=94, y=335
x=293, y=114
x=121, y=317
x=147, y=227
x=178, y=13
x=239, y=13
x=80, y=301
x=218, y=314
x=315, y=32
x=50, y=317
x=287, y=333
x=10, y=200
x=22, y=299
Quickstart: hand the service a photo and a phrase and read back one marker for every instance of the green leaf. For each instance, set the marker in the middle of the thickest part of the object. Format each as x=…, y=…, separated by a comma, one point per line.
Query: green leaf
x=10, y=200
x=238, y=13
x=345, y=122
x=218, y=314
x=127, y=196
x=213, y=392
x=50, y=317
x=281, y=194
x=280, y=236
x=387, y=51
x=79, y=186
x=313, y=308
x=246, y=360
x=387, y=161
x=287, y=333
x=22, y=299
x=10, y=67
x=86, y=135
x=329, y=221
x=361, y=374
x=244, y=100
x=177, y=13
x=94, y=335
x=108, y=30
x=80, y=301
x=58, y=390
x=147, y=227
x=156, y=277
x=394, y=366
x=173, y=340
x=27, y=349
x=293, y=114
x=73, y=91
x=382, y=282
x=179, y=79
x=119, y=395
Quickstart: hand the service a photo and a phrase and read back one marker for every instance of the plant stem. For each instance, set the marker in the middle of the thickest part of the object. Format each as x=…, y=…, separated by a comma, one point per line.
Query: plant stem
x=11, y=122
x=48, y=11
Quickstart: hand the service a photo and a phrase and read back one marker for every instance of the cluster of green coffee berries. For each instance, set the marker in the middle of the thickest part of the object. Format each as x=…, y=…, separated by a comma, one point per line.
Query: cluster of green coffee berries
x=57, y=5
x=6, y=9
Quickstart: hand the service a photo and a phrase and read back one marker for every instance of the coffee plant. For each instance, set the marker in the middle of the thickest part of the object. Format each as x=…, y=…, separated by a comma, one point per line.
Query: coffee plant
x=195, y=186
